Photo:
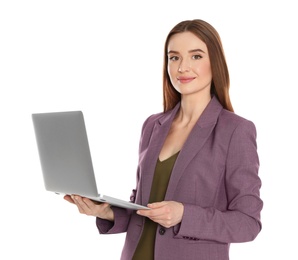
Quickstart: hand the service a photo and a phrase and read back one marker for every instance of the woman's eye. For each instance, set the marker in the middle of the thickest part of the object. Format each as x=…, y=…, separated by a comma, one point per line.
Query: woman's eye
x=173, y=58
x=196, y=57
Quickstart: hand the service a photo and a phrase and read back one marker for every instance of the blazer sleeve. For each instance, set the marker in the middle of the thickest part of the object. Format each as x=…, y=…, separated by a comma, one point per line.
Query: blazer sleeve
x=119, y=225
x=240, y=222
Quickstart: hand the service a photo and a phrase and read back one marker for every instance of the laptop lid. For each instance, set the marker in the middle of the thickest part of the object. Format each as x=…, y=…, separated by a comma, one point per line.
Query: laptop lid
x=66, y=159
x=64, y=153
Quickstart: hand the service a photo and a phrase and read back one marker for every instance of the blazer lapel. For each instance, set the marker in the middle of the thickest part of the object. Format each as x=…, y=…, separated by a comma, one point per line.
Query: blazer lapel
x=192, y=146
x=194, y=143
x=158, y=136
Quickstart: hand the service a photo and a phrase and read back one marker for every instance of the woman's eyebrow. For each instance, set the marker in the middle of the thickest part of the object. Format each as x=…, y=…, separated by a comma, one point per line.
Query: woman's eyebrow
x=175, y=52
x=196, y=50
x=191, y=51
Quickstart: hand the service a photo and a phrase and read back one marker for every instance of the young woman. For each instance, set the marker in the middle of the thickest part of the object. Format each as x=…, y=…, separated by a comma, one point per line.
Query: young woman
x=198, y=162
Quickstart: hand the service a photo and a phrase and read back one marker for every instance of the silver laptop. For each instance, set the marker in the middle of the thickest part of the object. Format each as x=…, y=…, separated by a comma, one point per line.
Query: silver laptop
x=66, y=159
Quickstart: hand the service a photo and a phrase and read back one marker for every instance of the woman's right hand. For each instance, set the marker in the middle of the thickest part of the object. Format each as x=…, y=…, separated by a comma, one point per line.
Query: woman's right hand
x=91, y=208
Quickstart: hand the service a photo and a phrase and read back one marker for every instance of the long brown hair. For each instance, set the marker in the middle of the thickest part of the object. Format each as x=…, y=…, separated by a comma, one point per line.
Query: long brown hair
x=220, y=75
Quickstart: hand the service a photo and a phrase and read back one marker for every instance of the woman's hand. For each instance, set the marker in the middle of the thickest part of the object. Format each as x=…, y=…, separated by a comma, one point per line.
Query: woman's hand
x=165, y=213
x=91, y=208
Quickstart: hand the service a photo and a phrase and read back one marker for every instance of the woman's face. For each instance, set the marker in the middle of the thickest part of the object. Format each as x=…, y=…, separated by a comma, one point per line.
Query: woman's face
x=189, y=66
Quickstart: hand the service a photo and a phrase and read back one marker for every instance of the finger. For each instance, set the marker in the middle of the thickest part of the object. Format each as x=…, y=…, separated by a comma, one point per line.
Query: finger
x=88, y=202
x=69, y=199
x=145, y=212
x=91, y=204
x=82, y=206
x=155, y=205
x=153, y=212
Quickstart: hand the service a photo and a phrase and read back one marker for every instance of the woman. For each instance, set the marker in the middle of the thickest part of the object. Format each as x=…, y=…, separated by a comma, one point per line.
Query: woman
x=198, y=162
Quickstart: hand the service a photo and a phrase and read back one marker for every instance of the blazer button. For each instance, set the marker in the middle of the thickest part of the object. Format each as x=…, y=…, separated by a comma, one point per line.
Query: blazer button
x=162, y=231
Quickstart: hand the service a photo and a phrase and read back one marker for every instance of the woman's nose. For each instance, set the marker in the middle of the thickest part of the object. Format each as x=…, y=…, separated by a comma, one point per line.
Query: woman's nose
x=184, y=66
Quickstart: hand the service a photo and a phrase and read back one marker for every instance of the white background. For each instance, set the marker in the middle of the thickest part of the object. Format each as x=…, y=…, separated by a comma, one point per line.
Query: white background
x=105, y=58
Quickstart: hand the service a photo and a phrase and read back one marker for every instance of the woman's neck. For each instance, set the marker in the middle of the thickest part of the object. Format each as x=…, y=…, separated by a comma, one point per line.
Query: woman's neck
x=191, y=110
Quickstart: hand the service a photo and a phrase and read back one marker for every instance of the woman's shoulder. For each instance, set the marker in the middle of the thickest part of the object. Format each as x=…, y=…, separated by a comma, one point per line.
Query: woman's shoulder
x=151, y=119
x=231, y=120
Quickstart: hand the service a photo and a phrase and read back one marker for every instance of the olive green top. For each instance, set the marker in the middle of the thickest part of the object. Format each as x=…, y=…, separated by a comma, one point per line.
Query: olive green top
x=163, y=169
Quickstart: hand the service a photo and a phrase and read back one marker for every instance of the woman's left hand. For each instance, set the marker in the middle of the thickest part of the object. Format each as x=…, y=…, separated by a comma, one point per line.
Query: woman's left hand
x=165, y=213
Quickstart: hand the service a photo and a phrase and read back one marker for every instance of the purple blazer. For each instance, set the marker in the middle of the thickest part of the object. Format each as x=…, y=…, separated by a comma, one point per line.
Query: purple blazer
x=216, y=178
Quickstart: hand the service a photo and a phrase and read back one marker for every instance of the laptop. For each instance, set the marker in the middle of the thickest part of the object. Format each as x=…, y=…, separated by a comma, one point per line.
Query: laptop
x=65, y=157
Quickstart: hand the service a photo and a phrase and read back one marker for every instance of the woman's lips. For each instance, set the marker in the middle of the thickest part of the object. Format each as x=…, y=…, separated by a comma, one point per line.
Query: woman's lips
x=186, y=79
